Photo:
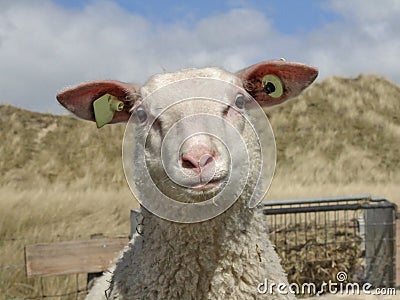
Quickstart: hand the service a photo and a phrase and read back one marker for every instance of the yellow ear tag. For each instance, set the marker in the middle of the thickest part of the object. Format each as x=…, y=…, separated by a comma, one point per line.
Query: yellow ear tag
x=272, y=85
x=105, y=108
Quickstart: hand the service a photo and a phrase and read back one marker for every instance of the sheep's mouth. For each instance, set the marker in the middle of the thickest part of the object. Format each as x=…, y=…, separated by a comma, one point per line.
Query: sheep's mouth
x=209, y=186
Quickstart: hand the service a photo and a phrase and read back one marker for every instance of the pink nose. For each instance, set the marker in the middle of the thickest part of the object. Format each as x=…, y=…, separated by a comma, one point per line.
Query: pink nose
x=197, y=158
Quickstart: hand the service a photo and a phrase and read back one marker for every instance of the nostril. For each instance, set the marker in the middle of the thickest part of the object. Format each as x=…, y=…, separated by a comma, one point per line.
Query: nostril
x=189, y=163
x=205, y=160
x=197, y=158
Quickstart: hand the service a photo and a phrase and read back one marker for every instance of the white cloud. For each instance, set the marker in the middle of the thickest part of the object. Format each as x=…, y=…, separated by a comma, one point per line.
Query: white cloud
x=365, y=40
x=44, y=47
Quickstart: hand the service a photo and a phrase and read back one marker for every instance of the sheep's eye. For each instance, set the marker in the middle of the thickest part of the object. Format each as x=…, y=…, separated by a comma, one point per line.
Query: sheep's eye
x=141, y=114
x=240, y=101
x=272, y=86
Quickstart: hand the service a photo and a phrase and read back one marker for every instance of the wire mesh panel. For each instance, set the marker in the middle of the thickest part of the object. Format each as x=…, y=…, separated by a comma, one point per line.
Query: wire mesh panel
x=318, y=238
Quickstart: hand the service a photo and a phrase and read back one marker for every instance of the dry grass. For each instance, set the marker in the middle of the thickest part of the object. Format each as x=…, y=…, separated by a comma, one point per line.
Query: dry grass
x=340, y=131
x=42, y=149
x=56, y=211
x=54, y=214
x=317, y=253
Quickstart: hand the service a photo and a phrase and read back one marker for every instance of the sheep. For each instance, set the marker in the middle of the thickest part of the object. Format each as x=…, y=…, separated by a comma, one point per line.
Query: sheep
x=225, y=255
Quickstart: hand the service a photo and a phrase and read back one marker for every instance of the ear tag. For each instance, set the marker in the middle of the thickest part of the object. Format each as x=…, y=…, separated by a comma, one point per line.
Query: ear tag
x=105, y=108
x=272, y=86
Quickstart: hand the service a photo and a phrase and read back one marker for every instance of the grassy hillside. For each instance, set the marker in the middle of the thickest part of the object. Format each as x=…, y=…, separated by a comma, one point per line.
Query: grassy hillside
x=40, y=149
x=339, y=131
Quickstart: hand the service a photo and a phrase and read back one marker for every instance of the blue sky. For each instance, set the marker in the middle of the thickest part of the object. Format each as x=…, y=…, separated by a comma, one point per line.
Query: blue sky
x=46, y=45
x=289, y=17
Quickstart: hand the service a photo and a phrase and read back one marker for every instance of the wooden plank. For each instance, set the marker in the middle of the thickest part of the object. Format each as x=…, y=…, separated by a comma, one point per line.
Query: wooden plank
x=46, y=259
x=397, y=252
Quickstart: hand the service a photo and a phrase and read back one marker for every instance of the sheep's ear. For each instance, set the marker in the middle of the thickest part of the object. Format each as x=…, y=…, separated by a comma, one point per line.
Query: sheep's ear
x=273, y=82
x=100, y=101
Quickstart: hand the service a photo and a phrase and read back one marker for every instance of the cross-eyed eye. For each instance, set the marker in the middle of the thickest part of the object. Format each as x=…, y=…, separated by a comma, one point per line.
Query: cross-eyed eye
x=240, y=101
x=141, y=114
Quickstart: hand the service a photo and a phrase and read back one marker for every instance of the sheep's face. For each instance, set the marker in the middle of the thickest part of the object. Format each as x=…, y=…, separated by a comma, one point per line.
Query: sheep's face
x=186, y=147
x=188, y=136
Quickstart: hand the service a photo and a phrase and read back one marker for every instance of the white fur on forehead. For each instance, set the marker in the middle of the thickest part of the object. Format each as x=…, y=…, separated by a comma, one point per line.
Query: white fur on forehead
x=161, y=80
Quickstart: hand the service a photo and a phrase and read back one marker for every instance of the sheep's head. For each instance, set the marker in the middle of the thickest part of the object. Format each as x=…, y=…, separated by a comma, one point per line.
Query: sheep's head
x=188, y=132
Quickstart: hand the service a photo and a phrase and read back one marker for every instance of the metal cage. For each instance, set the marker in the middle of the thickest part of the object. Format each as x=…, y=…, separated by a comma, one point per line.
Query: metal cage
x=317, y=238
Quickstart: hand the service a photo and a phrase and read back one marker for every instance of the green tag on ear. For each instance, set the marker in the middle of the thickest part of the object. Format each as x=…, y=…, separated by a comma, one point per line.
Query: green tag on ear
x=105, y=108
